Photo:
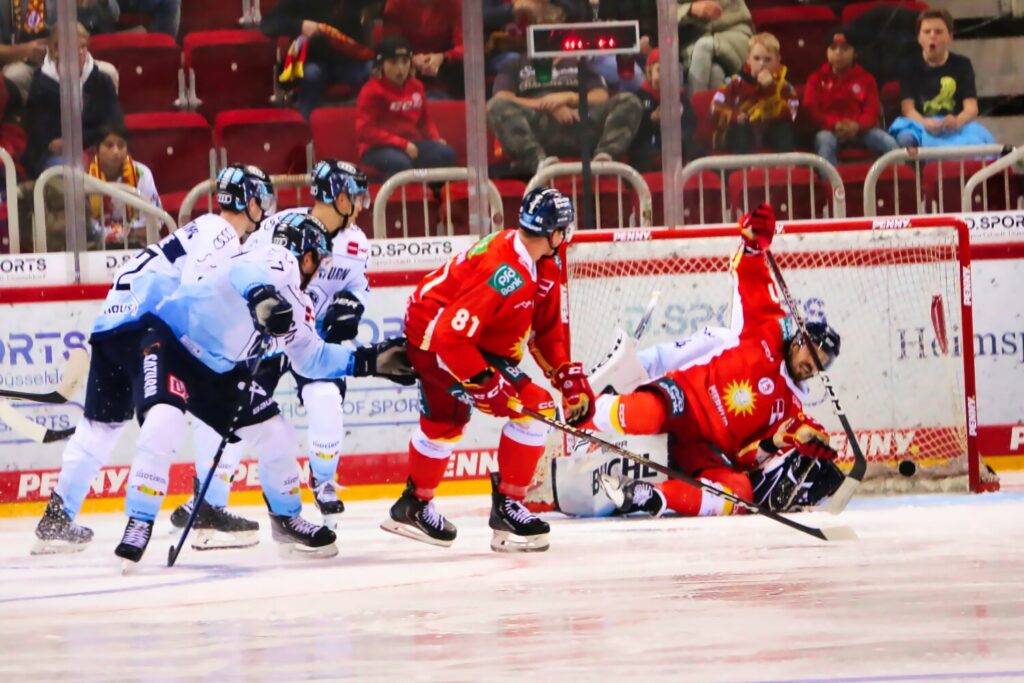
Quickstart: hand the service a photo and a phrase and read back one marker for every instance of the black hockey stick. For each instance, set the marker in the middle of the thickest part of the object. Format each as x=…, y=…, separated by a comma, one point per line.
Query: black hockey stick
x=842, y=496
x=75, y=371
x=833, y=534
x=243, y=392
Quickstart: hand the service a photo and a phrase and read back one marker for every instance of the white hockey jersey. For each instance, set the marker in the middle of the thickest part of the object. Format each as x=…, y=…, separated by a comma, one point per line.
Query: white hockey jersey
x=185, y=256
x=211, y=317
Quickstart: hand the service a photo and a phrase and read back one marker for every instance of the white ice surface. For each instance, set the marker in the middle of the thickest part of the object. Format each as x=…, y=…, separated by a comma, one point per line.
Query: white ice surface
x=933, y=591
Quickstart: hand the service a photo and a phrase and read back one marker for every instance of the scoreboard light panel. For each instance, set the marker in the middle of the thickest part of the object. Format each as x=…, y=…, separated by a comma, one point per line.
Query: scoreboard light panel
x=591, y=39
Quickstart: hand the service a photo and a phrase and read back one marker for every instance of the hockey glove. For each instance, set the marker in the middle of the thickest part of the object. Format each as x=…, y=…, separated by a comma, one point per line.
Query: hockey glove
x=817, y=450
x=271, y=314
x=493, y=394
x=570, y=380
x=757, y=229
x=387, y=359
x=806, y=435
x=341, y=319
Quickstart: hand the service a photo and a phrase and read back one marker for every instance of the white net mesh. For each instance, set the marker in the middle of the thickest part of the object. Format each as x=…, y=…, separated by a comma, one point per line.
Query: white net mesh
x=893, y=295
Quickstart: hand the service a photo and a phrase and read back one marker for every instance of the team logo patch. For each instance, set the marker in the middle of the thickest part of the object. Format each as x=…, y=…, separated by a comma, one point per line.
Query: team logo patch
x=505, y=280
x=176, y=387
x=739, y=398
x=766, y=386
x=481, y=246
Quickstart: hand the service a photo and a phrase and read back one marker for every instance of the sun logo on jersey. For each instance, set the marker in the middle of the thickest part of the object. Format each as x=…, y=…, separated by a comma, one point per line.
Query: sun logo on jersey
x=739, y=397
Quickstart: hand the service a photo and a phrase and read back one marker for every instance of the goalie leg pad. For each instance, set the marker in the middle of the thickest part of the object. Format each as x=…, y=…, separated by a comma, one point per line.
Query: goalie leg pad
x=620, y=371
x=577, y=487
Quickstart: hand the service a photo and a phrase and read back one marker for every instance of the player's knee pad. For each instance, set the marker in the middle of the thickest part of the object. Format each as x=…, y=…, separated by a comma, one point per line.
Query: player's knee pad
x=162, y=433
x=98, y=439
x=526, y=431
x=273, y=438
x=323, y=402
x=435, y=448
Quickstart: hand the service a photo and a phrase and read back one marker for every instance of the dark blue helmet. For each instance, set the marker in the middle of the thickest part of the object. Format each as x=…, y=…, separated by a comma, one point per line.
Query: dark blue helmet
x=546, y=211
x=300, y=233
x=331, y=178
x=826, y=339
x=238, y=184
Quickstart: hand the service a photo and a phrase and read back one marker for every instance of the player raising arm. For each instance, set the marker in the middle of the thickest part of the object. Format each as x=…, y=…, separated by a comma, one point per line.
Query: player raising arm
x=467, y=323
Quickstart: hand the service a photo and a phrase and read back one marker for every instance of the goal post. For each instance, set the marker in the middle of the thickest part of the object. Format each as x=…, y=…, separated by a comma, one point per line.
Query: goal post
x=897, y=290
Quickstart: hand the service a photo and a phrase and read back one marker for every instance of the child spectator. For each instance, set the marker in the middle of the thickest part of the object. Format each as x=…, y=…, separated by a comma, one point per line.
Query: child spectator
x=757, y=107
x=713, y=37
x=433, y=29
x=645, y=153
x=938, y=99
x=12, y=135
x=99, y=106
x=112, y=224
x=841, y=101
x=393, y=128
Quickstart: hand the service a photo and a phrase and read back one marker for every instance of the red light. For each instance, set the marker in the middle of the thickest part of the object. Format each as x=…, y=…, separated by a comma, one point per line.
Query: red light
x=601, y=42
x=611, y=42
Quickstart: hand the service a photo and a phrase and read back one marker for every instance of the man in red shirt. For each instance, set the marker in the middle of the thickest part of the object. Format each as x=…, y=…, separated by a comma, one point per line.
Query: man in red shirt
x=467, y=323
x=394, y=130
x=738, y=397
x=841, y=102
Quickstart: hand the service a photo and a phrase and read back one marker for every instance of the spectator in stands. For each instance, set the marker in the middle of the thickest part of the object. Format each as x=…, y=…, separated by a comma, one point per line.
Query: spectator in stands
x=757, y=107
x=97, y=16
x=99, y=106
x=938, y=99
x=534, y=118
x=23, y=30
x=645, y=153
x=12, y=135
x=713, y=35
x=393, y=127
x=113, y=224
x=166, y=13
x=433, y=28
x=330, y=35
x=626, y=72
x=841, y=102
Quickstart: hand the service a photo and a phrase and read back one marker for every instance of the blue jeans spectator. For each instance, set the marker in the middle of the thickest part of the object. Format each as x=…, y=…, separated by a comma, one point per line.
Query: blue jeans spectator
x=876, y=140
x=318, y=77
x=608, y=67
x=391, y=160
x=166, y=14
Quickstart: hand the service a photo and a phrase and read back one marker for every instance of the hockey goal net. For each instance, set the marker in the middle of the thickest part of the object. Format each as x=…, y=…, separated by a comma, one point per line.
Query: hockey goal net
x=898, y=291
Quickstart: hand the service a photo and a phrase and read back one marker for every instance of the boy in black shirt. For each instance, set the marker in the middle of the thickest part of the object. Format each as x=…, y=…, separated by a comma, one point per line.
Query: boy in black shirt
x=939, y=101
x=645, y=153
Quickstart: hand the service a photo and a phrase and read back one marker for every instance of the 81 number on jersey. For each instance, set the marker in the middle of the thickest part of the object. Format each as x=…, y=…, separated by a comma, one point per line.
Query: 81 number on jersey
x=461, y=317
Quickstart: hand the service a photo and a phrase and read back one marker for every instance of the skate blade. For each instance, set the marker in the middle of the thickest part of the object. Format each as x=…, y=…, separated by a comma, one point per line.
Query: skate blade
x=291, y=551
x=55, y=547
x=210, y=539
x=507, y=542
x=128, y=567
x=392, y=527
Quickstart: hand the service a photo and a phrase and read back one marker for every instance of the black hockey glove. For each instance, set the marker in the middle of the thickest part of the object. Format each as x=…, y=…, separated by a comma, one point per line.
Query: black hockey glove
x=271, y=314
x=341, y=319
x=386, y=359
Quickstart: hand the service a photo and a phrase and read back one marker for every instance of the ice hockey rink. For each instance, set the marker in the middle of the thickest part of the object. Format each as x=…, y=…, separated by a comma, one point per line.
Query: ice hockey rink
x=932, y=591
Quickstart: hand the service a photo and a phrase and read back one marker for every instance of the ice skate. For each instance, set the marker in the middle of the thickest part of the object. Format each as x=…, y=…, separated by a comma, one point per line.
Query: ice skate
x=133, y=543
x=516, y=529
x=325, y=495
x=298, y=538
x=419, y=520
x=58, y=533
x=179, y=518
x=633, y=495
x=216, y=528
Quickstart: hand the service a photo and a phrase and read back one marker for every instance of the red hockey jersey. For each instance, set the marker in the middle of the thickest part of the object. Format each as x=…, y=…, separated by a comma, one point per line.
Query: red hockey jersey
x=492, y=298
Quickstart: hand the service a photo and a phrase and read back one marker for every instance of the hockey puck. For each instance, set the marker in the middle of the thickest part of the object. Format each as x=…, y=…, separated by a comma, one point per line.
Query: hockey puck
x=908, y=468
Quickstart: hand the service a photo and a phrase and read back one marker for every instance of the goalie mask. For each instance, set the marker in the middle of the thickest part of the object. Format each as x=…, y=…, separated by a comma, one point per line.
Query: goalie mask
x=239, y=184
x=302, y=234
x=546, y=211
x=330, y=179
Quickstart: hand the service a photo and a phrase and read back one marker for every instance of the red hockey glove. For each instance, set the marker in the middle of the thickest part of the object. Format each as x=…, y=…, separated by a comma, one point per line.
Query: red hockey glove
x=493, y=394
x=816, y=449
x=801, y=429
x=757, y=229
x=570, y=380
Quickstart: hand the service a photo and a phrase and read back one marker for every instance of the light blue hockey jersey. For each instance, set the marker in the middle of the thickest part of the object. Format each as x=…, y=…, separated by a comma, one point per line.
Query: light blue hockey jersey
x=211, y=318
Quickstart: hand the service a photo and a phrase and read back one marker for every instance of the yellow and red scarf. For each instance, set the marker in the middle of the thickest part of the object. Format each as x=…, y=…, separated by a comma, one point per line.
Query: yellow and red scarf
x=100, y=204
x=296, y=59
x=29, y=18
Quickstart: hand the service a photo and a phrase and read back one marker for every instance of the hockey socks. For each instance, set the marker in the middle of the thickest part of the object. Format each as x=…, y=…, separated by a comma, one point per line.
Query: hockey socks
x=693, y=502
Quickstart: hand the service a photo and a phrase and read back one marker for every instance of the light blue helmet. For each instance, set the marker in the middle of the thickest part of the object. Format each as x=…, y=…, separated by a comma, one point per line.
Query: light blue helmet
x=238, y=184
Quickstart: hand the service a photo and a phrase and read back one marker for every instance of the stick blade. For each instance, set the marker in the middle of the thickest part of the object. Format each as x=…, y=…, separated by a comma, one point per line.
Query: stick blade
x=21, y=424
x=841, y=498
x=75, y=371
x=840, y=533
x=171, y=556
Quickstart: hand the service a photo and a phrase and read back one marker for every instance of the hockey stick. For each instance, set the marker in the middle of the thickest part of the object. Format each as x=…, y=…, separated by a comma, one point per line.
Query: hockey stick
x=831, y=534
x=174, y=551
x=75, y=372
x=30, y=428
x=841, y=498
x=641, y=327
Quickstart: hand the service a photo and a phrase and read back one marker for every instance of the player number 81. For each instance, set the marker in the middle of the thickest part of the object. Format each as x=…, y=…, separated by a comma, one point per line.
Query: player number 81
x=461, y=317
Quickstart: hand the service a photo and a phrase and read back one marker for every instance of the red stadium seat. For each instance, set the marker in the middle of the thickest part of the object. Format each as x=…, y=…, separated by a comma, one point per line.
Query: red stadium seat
x=706, y=185
x=230, y=69
x=803, y=33
x=702, y=110
x=511, y=192
x=896, y=182
x=203, y=15
x=450, y=118
x=778, y=194
x=147, y=64
x=273, y=139
x=889, y=97
x=418, y=224
x=855, y=9
x=176, y=147
x=334, y=133
x=943, y=182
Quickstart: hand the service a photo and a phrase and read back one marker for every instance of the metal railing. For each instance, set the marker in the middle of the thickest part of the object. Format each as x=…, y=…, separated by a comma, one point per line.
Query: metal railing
x=425, y=176
x=981, y=177
x=623, y=172
x=13, y=217
x=295, y=181
x=916, y=156
x=744, y=162
x=96, y=186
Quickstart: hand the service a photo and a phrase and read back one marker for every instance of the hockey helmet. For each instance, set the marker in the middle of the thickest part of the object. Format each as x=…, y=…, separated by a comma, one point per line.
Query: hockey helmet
x=300, y=234
x=238, y=184
x=331, y=178
x=826, y=339
x=545, y=211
